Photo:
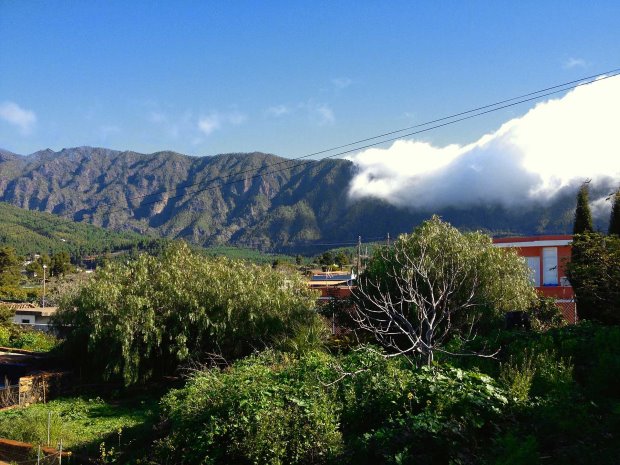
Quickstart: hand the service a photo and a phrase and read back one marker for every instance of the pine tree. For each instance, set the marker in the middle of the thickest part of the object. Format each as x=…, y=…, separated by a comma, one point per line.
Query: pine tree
x=614, y=220
x=583, y=217
x=9, y=267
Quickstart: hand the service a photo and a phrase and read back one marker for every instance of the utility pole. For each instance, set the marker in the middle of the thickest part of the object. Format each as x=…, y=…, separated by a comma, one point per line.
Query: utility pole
x=44, y=268
x=388, y=240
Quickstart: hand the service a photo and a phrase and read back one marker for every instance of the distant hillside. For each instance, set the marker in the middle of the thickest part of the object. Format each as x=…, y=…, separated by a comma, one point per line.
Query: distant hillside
x=34, y=232
x=220, y=200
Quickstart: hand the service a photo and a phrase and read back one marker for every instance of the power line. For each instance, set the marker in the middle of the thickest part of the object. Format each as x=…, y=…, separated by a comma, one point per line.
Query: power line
x=374, y=144
x=432, y=124
x=535, y=94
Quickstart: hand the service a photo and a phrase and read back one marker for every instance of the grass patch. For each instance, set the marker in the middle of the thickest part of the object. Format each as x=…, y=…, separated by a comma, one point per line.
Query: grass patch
x=90, y=426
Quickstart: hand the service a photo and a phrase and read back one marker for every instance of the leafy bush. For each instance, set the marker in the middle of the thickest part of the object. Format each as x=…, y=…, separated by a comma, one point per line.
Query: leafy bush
x=30, y=339
x=517, y=377
x=442, y=415
x=142, y=319
x=359, y=408
x=266, y=409
x=545, y=314
x=5, y=336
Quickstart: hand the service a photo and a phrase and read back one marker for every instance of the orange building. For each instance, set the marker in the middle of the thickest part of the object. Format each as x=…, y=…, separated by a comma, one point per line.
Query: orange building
x=547, y=257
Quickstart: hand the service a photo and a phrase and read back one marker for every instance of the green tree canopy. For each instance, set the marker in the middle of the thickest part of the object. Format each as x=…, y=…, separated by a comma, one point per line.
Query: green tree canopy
x=60, y=264
x=435, y=283
x=146, y=317
x=583, y=216
x=594, y=273
x=9, y=267
x=614, y=219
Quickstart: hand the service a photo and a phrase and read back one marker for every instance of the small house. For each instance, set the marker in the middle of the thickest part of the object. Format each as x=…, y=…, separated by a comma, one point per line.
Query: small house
x=547, y=257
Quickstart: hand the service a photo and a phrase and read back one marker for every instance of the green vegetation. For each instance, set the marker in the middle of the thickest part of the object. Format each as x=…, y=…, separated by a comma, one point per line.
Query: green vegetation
x=142, y=319
x=27, y=339
x=249, y=255
x=316, y=408
x=31, y=232
x=290, y=211
x=552, y=394
x=438, y=284
x=85, y=425
x=17, y=337
x=9, y=267
x=583, y=217
x=594, y=269
x=267, y=384
x=594, y=273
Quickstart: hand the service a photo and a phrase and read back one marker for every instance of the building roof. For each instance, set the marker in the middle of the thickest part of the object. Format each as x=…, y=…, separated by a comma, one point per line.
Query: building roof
x=534, y=241
x=41, y=311
x=316, y=282
x=332, y=276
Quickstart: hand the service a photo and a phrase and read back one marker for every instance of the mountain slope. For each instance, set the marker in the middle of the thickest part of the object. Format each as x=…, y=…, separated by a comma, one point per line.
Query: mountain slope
x=255, y=200
x=35, y=232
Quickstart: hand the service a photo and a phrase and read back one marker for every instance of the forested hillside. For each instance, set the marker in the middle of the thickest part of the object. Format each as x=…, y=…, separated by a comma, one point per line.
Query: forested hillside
x=34, y=232
x=254, y=200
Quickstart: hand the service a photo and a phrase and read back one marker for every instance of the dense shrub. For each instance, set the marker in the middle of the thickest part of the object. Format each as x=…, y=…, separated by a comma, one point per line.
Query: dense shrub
x=266, y=409
x=360, y=408
x=30, y=339
x=443, y=415
x=141, y=319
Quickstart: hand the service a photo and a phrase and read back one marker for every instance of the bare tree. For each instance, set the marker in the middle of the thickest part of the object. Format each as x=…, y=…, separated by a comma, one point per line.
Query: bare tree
x=434, y=284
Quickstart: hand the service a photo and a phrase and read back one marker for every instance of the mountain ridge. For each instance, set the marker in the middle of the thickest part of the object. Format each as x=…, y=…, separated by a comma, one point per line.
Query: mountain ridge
x=252, y=199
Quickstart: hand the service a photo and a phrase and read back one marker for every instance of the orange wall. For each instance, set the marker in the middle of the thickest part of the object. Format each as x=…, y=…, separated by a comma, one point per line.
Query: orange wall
x=563, y=257
x=564, y=254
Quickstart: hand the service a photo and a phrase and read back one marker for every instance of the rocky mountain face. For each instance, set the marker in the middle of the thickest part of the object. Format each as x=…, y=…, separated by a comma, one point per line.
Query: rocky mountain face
x=252, y=199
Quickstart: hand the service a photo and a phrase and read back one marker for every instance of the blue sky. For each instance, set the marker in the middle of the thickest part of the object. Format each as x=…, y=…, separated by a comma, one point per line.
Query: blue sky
x=288, y=78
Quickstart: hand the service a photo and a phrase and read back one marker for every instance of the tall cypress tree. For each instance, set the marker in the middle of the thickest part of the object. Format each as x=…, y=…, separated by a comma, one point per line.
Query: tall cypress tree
x=614, y=220
x=583, y=216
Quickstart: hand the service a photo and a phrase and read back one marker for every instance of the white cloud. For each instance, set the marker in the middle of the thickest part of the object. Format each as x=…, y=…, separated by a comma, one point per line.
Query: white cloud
x=209, y=124
x=278, y=110
x=558, y=143
x=342, y=82
x=325, y=114
x=573, y=62
x=13, y=114
x=215, y=121
x=601, y=208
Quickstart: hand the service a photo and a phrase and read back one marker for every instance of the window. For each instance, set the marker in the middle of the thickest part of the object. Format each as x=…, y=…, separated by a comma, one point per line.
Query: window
x=533, y=264
x=550, y=266
x=26, y=321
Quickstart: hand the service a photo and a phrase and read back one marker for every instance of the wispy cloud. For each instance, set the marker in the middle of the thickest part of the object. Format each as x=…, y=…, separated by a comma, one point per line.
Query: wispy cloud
x=173, y=125
x=325, y=114
x=13, y=114
x=319, y=112
x=278, y=110
x=215, y=121
x=573, y=62
x=341, y=82
x=209, y=124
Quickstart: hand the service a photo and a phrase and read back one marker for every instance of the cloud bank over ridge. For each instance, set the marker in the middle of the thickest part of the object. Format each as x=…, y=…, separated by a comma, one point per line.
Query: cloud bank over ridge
x=558, y=143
